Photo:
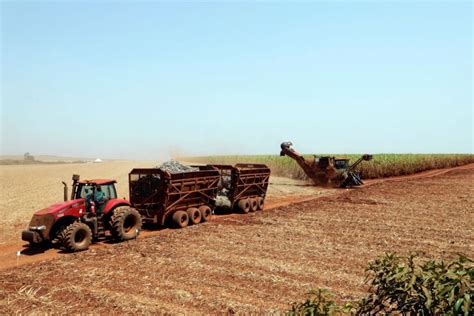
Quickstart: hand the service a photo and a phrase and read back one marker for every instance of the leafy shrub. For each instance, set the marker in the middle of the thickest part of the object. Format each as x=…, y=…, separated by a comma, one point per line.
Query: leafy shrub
x=319, y=303
x=397, y=285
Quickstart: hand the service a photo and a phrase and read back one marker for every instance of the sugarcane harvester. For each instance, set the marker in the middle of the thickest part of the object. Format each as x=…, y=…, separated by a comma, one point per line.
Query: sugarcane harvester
x=327, y=171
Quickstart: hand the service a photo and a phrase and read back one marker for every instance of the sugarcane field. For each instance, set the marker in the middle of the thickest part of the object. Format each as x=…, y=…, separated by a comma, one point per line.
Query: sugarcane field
x=295, y=158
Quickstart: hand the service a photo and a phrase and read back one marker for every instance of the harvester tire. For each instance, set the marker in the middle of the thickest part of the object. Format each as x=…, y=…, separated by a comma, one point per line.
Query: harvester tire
x=253, y=204
x=77, y=237
x=125, y=224
x=244, y=206
x=194, y=215
x=206, y=213
x=261, y=203
x=180, y=219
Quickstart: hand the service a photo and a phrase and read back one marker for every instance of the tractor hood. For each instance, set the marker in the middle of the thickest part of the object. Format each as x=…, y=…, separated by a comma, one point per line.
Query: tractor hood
x=60, y=207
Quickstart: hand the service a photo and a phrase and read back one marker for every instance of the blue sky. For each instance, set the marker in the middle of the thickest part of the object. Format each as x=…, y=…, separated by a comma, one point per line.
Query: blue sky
x=150, y=79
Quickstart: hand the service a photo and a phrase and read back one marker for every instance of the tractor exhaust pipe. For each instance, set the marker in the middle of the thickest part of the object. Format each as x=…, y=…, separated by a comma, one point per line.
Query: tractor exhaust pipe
x=75, y=179
x=65, y=191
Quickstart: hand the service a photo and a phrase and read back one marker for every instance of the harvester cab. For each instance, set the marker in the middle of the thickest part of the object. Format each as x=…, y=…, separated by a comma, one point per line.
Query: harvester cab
x=73, y=224
x=327, y=171
x=341, y=163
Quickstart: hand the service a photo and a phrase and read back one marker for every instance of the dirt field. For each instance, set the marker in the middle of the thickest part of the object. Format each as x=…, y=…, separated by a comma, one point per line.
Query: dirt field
x=258, y=262
x=24, y=189
x=28, y=188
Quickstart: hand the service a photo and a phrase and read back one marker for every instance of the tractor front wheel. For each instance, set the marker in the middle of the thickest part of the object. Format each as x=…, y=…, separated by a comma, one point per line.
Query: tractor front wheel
x=76, y=237
x=125, y=224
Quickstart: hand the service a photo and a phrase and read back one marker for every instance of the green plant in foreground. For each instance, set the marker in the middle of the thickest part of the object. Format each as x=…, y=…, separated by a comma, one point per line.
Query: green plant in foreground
x=397, y=285
x=320, y=302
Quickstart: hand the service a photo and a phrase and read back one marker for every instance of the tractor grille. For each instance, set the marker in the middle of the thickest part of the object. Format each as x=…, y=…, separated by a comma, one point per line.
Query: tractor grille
x=47, y=220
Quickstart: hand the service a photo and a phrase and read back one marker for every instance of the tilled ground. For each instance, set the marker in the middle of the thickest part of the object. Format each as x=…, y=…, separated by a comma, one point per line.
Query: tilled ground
x=25, y=189
x=258, y=262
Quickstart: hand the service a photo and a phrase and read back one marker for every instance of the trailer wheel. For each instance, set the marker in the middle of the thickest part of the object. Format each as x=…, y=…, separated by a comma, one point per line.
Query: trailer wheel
x=125, y=224
x=77, y=237
x=180, y=219
x=253, y=204
x=244, y=205
x=194, y=215
x=206, y=213
x=261, y=203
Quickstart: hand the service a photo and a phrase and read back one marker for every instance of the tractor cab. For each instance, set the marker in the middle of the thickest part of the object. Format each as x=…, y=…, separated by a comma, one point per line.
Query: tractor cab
x=85, y=187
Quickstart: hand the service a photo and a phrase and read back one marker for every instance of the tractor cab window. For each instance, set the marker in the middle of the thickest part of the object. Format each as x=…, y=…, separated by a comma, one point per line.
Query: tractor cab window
x=84, y=189
x=341, y=164
x=109, y=191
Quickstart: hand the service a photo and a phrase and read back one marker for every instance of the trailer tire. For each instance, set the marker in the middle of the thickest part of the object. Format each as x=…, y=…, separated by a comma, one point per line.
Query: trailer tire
x=125, y=223
x=194, y=215
x=77, y=237
x=206, y=213
x=261, y=203
x=253, y=204
x=180, y=219
x=244, y=206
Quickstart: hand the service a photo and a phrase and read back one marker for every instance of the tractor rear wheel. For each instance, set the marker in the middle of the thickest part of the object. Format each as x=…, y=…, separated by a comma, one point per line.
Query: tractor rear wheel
x=244, y=206
x=125, y=224
x=180, y=219
x=194, y=215
x=76, y=237
x=253, y=204
x=261, y=203
x=206, y=213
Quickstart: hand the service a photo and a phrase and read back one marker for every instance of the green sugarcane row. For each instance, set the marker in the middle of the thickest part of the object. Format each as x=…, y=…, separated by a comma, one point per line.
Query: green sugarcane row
x=383, y=165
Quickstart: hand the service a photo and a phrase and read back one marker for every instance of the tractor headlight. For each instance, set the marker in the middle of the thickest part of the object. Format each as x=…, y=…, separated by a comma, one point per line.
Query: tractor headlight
x=42, y=227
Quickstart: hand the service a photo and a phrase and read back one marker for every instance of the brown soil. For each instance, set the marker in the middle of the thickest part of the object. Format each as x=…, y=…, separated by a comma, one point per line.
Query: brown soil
x=259, y=262
x=18, y=253
x=281, y=192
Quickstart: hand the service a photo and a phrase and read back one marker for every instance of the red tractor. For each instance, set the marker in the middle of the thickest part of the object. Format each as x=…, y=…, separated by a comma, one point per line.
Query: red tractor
x=73, y=225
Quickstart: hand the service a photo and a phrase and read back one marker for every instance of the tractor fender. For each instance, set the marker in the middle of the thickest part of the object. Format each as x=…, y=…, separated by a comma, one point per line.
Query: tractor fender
x=112, y=204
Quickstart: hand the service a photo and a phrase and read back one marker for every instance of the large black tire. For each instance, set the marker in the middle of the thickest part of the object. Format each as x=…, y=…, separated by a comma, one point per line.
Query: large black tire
x=58, y=239
x=206, y=213
x=253, y=204
x=58, y=235
x=244, y=206
x=125, y=224
x=180, y=219
x=76, y=237
x=261, y=203
x=194, y=216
